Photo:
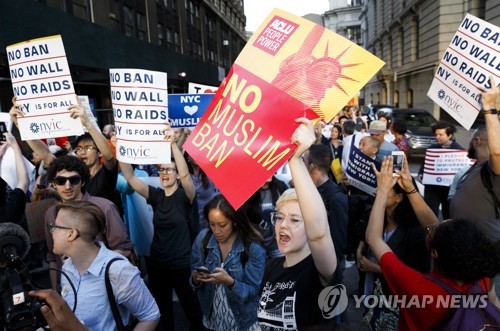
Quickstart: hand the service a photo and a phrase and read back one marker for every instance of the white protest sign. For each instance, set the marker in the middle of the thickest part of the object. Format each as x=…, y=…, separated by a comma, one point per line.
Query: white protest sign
x=473, y=56
x=194, y=88
x=42, y=83
x=86, y=105
x=8, y=170
x=441, y=165
x=140, y=108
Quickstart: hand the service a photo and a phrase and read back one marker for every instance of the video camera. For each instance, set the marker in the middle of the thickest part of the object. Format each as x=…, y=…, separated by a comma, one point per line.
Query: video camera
x=18, y=310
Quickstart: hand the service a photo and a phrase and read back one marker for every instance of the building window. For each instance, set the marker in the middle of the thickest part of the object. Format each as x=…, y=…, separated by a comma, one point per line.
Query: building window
x=141, y=26
x=396, y=99
x=161, y=35
x=353, y=33
x=414, y=39
x=371, y=98
x=378, y=98
x=80, y=9
x=128, y=21
x=409, y=96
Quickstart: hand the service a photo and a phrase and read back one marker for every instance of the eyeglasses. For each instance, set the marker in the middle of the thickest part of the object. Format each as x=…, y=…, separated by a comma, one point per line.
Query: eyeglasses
x=86, y=148
x=278, y=218
x=431, y=229
x=168, y=171
x=73, y=180
x=53, y=226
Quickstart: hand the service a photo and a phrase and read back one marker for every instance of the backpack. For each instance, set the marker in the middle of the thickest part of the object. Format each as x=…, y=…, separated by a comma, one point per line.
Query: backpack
x=467, y=318
x=243, y=256
x=193, y=219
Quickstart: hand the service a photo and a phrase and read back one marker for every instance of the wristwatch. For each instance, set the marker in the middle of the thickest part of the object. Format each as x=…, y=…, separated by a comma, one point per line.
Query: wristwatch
x=490, y=111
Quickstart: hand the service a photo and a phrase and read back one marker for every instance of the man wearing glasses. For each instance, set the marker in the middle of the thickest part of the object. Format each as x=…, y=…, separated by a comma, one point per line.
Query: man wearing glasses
x=69, y=176
x=74, y=232
x=90, y=147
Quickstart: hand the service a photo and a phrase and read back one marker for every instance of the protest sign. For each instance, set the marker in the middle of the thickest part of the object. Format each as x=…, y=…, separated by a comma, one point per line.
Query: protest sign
x=139, y=214
x=42, y=83
x=194, y=88
x=8, y=170
x=140, y=108
x=290, y=68
x=441, y=165
x=472, y=57
x=84, y=100
x=185, y=110
x=359, y=170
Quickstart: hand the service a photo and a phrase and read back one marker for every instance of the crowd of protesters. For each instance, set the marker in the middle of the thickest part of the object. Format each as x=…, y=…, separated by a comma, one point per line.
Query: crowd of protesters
x=265, y=265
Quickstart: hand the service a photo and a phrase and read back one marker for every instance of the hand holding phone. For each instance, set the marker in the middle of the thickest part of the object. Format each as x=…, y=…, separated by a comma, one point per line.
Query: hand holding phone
x=202, y=270
x=398, y=157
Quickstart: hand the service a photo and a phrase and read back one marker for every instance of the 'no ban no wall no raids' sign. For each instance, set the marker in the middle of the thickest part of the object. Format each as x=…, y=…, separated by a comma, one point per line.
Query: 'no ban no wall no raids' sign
x=140, y=108
x=42, y=83
x=472, y=57
x=290, y=68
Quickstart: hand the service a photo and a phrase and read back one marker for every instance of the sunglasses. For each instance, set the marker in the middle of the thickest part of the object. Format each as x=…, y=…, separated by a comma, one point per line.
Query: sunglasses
x=73, y=180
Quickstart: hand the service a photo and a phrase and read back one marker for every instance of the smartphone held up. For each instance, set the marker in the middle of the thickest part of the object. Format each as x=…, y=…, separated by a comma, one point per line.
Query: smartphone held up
x=397, y=157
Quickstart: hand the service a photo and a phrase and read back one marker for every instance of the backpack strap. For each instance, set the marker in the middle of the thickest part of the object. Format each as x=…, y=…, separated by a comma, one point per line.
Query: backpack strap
x=443, y=285
x=485, y=178
x=111, y=296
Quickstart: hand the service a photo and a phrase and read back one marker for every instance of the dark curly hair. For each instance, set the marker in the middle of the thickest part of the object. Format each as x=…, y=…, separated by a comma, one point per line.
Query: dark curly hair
x=246, y=230
x=464, y=252
x=450, y=128
x=399, y=125
x=69, y=163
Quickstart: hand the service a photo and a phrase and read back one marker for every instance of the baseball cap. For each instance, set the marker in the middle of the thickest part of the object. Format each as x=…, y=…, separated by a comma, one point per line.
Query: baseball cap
x=377, y=127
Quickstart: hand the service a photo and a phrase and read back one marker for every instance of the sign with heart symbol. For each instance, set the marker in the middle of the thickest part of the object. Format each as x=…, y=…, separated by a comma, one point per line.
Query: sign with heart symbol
x=191, y=109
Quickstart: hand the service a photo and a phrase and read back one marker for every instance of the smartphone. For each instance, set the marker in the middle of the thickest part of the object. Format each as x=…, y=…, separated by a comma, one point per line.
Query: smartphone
x=397, y=157
x=3, y=128
x=202, y=270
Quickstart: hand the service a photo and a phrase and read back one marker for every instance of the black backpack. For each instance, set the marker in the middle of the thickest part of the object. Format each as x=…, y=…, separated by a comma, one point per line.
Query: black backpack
x=192, y=217
x=243, y=256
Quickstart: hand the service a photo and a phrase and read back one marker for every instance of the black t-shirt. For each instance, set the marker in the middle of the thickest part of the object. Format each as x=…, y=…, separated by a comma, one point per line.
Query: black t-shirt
x=289, y=296
x=103, y=184
x=171, y=245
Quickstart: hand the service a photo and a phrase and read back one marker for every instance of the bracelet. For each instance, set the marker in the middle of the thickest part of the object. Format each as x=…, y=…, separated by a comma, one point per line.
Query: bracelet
x=412, y=191
x=490, y=111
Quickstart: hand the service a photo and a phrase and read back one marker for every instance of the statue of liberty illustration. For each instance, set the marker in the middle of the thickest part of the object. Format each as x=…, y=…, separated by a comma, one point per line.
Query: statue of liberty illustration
x=306, y=77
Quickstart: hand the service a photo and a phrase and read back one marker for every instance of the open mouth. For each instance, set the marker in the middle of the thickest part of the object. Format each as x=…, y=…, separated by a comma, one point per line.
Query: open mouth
x=283, y=238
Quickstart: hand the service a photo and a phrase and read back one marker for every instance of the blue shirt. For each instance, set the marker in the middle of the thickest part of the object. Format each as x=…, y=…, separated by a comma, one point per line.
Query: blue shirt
x=93, y=309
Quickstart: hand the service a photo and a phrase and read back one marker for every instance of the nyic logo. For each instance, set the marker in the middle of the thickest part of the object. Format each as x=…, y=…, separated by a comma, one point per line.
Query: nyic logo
x=333, y=300
x=441, y=94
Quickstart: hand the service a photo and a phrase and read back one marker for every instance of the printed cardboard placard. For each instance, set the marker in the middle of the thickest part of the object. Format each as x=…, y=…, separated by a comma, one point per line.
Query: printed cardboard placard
x=140, y=108
x=194, y=88
x=359, y=170
x=290, y=68
x=42, y=83
x=84, y=100
x=441, y=165
x=185, y=110
x=472, y=57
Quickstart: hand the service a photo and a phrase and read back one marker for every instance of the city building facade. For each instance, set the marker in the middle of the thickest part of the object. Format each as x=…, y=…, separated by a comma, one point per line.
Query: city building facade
x=343, y=18
x=411, y=37
x=192, y=40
